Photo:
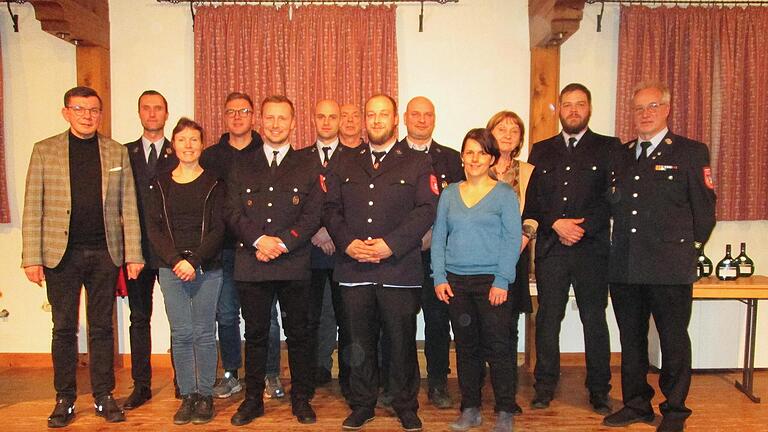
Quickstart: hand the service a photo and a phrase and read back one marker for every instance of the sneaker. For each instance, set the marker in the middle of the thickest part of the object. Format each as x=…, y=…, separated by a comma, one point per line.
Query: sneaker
x=469, y=418
x=106, y=407
x=63, y=413
x=227, y=386
x=409, y=421
x=505, y=422
x=273, y=388
x=357, y=419
x=203, y=411
x=184, y=413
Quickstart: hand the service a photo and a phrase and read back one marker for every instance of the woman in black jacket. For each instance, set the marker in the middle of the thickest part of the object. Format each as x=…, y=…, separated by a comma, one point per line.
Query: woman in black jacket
x=186, y=230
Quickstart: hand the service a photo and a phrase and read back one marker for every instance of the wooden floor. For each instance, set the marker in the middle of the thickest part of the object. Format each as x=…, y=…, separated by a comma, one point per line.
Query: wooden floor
x=26, y=399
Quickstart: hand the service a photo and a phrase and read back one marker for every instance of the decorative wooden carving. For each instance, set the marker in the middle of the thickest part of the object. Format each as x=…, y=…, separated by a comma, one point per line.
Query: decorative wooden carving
x=82, y=22
x=552, y=22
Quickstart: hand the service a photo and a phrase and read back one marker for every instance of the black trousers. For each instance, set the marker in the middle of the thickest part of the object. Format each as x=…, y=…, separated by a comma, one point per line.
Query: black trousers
x=319, y=278
x=554, y=276
x=483, y=334
x=140, y=292
x=437, y=329
x=670, y=306
x=369, y=310
x=256, y=303
x=94, y=269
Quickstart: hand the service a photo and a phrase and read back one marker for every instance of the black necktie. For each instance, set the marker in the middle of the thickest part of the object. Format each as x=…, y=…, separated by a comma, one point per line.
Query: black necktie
x=377, y=156
x=273, y=164
x=152, y=159
x=644, y=151
x=326, y=155
x=571, y=144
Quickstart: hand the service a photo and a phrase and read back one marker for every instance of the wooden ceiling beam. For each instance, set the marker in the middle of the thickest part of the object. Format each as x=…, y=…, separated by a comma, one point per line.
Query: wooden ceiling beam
x=552, y=22
x=81, y=22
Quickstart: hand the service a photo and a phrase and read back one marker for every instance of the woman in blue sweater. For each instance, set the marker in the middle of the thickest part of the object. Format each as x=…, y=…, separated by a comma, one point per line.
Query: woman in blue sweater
x=475, y=247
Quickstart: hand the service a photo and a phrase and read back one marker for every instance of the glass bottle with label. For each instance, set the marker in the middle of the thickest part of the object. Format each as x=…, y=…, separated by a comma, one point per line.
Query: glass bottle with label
x=744, y=262
x=703, y=263
x=727, y=268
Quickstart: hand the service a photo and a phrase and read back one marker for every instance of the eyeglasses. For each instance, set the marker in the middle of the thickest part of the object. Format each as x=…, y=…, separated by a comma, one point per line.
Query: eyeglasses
x=652, y=108
x=80, y=111
x=233, y=112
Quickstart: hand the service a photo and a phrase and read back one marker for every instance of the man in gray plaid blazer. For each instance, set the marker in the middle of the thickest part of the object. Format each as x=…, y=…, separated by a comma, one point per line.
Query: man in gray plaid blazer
x=80, y=225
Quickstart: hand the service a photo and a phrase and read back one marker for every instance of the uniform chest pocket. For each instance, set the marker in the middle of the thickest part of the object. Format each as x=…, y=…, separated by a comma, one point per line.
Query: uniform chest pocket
x=672, y=184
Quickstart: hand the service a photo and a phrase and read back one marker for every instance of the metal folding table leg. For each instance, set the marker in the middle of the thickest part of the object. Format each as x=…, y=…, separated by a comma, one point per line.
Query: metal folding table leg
x=748, y=373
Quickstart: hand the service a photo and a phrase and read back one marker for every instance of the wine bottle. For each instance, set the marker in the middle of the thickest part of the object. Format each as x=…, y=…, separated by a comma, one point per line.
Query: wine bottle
x=704, y=264
x=744, y=262
x=727, y=268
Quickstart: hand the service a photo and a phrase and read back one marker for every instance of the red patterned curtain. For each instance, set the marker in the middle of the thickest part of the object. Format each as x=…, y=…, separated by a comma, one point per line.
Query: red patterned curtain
x=308, y=53
x=5, y=211
x=712, y=59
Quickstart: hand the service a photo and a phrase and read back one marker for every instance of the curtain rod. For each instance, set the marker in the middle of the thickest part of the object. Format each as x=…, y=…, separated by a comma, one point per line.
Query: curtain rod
x=300, y=2
x=685, y=2
x=277, y=3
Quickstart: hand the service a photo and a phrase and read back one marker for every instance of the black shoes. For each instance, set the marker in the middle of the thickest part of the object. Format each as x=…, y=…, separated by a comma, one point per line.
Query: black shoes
x=62, y=414
x=184, y=413
x=541, y=400
x=138, y=397
x=516, y=410
x=440, y=397
x=601, y=403
x=250, y=409
x=203, y=411
x=671, y=425
x=303, y=412
x=627, y=416
x=106, y=407
x=358, y=419
x=409, y=421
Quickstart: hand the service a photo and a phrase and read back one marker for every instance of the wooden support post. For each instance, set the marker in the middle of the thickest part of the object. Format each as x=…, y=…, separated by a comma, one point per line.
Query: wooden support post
x=93, y=70
x=545, y=87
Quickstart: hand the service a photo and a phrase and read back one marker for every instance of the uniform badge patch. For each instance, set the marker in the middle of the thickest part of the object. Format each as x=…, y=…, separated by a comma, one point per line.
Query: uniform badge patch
x=322, y=184
x=433, y=184
x=295, y=200
x=445, y=184
x=249, y=203
x=708, y=178
x=294, y=233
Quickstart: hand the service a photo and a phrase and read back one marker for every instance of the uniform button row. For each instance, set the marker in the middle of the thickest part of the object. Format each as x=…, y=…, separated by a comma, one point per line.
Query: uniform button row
x=565, y=183
x=269, y=220
x=370, y=220
x=370, y=203
x=370, y=185
x=269, y=204
x=634, y=212
x=634, y=195
x=633, y=230
x=565, y=198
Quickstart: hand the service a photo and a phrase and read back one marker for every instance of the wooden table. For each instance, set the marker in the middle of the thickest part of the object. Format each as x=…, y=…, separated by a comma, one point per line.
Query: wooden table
x=748, y=291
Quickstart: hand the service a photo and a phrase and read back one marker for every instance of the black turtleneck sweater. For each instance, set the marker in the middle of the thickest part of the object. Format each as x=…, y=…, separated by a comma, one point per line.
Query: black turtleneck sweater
x=86, y=224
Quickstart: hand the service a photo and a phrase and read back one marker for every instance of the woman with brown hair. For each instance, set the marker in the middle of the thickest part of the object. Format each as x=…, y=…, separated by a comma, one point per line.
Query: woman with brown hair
x=509, y=130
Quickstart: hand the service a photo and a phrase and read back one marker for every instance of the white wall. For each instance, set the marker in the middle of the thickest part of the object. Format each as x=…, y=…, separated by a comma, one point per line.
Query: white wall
x=37, y=70
x=472, y=60
x=717, y=327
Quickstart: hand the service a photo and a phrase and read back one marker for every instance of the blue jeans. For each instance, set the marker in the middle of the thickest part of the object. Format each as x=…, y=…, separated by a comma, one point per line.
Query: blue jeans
x=273, y=344
x=228, y=315
x=191, y=310
x=228, y=319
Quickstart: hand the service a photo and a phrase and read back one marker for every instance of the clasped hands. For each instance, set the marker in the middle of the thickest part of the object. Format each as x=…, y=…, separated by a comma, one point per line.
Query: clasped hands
x=323, y=240
x=370, y=251
x=569, y=230
x=269, y=248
